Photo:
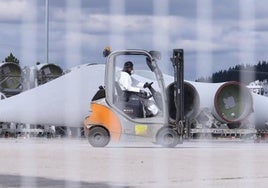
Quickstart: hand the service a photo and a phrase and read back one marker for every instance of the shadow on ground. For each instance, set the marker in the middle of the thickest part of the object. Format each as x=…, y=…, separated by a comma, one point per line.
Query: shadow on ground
x=32, y=182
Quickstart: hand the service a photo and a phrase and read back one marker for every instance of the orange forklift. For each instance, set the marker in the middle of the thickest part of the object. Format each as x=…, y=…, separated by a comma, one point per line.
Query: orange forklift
x=114, y=118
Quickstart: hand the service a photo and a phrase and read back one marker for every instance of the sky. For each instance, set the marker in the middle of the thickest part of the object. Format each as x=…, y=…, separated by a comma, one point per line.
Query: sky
x=215, y=35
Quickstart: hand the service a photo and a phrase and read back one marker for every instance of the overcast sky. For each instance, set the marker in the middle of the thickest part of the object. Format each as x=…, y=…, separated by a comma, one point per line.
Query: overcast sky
x=214, y=34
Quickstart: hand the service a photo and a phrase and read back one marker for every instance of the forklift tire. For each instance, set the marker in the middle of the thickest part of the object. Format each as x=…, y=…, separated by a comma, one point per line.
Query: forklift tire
x=98, y=137
x=167, y=137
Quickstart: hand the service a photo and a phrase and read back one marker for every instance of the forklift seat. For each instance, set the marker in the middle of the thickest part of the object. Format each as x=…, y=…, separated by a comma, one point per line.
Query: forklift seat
x=129, y=104
x=118, y=90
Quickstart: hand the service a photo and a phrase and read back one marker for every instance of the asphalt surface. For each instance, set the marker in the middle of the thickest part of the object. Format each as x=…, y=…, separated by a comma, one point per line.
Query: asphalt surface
x=74, y=163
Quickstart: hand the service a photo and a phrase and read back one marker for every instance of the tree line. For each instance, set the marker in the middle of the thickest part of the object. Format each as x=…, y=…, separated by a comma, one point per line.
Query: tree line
x=11, y=59
x=241, y=73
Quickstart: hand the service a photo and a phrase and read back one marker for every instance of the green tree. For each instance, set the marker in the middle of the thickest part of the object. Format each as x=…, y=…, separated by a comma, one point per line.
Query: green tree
x=12, y=58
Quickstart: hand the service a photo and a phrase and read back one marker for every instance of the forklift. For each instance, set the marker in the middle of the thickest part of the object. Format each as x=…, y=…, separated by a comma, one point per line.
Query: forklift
x=114, y=119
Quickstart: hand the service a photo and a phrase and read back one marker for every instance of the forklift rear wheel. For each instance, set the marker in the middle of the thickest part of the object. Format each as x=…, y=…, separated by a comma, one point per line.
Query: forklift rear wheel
x=167, y=137
x=98, y=137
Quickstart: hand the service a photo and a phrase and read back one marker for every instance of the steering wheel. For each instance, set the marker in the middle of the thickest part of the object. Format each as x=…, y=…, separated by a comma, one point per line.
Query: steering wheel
x=148, y=85
x=144, y=95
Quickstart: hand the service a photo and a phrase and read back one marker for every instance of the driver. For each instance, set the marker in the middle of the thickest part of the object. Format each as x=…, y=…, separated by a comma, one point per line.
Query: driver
x=126, y=83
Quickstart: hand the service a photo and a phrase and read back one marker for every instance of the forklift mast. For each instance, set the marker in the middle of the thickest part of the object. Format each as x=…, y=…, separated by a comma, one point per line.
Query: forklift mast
x=178, y=65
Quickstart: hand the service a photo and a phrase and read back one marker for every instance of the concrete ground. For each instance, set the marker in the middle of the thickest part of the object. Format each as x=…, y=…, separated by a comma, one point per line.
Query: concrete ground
x=74, y=163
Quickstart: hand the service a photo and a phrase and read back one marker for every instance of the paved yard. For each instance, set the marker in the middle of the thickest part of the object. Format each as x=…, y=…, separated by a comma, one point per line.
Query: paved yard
x=74, y=163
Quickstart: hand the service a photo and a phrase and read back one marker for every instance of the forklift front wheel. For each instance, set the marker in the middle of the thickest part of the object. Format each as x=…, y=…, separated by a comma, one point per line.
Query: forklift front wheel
x=98, y=137
x=167, y=137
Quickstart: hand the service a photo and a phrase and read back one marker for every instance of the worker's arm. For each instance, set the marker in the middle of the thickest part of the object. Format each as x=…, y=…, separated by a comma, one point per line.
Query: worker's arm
x=137, y=83
x=125, y=83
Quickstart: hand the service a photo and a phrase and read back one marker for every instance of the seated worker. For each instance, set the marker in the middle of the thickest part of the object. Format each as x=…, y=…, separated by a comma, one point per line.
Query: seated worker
x=126, y=84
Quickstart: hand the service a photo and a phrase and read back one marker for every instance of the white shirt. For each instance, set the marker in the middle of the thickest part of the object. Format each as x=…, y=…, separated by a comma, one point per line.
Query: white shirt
x=126, y=83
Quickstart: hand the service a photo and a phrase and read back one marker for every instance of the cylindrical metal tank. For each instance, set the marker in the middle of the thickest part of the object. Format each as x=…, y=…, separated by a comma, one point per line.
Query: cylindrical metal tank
x=232, y=103
x=191, y=101
x=48, y=72
x=10, y=78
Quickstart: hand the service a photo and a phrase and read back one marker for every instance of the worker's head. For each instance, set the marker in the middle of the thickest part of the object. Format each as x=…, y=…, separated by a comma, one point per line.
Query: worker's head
x=128, y=67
